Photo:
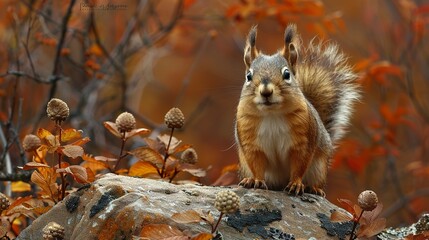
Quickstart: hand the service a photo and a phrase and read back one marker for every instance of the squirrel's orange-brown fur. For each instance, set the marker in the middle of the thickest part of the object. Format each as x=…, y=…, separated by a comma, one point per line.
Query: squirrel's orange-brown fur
x=293, y=108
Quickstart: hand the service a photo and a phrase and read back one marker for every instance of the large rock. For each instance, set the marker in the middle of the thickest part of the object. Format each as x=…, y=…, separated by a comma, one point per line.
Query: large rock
x=118, y=207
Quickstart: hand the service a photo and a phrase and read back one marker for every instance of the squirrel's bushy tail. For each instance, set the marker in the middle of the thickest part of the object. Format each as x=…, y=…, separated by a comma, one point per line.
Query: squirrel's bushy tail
x=329, y=84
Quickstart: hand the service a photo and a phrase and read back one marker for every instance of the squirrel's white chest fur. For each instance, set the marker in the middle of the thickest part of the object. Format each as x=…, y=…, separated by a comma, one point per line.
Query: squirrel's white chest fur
x=273, y=137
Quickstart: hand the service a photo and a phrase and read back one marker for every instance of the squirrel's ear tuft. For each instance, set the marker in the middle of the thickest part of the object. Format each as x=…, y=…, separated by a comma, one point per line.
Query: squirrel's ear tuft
x=250, y=51
x=290, y=50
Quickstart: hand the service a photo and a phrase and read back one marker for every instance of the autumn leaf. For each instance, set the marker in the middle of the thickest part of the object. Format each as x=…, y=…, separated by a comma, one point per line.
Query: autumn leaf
x=203, y=236
x=19, y=201
x=372, y=229
x=142, y=169
x=190, y=216
x=34, y=165
x=81, y=142
x=340, y=216
x=72, y=151
x=45, y=178
x=148, y=155
x=195, y=172
x=111, y=126
x=70, y=134
x=160, y=231
x=347, y=205
x=79, y=173
x=20, y=186
x=43, y=133
x=137, y=131
x=174, y=141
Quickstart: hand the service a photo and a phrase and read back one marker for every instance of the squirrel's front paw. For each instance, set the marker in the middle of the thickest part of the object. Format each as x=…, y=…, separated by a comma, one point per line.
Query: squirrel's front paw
x=253, y=183
x=295, y=187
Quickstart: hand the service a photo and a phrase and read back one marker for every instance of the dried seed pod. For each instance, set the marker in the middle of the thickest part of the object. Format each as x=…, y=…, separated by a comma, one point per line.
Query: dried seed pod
x=125, y=122
x=227, y=201
x=57, y=110
x=368, y=200
x=174, y=118
x=189, y=156
x=31, y=142
x=53, y=231
x=4, y=202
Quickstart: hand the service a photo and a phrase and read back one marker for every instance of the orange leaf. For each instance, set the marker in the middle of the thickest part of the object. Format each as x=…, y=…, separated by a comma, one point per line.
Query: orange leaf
x=141, y=169
x=203, y=236
x=79, y=173
x=148, y=155
x=111, y=126
x=20, y=186
x=72, y=151
x=70, y=134
x=190, y=216
x=45, y=178
x=43, y=133
x=160, y=231
x=19, y=201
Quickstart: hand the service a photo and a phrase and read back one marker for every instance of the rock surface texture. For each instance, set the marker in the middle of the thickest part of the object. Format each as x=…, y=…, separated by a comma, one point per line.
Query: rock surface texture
x=119, y=207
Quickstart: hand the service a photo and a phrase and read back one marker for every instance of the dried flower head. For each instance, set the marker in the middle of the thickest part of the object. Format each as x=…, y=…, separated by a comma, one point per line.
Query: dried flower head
x=367, y=200
x=31, y=142
x=53, y=231
x=174, y=118
x=125, y=122
x=189, y=156
x=57, y=110
x=227, y=201
x=4, y=202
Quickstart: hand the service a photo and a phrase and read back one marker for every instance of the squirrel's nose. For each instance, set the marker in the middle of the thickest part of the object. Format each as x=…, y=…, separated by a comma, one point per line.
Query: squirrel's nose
x=266, y=92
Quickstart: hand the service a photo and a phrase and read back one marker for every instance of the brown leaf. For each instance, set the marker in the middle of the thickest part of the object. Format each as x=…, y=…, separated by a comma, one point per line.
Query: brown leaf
x=81, y=142
x=160, y=231
x=137, y=131
x=19, y=201
x=203, y=236
x=190, y=216
x=142, y=169
x=45, y=178
x=173, y=144
x=347, y=205
x=72, y=151
x=70, y=134
x=371, y=215
x=148, y=155
x=53, y=143
x=195, y=172
x=340, y=216
x=180, y=149
x=111, y=126
x=155, y=145
x=372, y=228
x=79, y=173
x=33, y=165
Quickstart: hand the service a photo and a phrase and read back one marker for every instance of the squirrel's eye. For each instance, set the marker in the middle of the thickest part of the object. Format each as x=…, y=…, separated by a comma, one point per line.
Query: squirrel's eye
x=286, y=74
x=249, y=75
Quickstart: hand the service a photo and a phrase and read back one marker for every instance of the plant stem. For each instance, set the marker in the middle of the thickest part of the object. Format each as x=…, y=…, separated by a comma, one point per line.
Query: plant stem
x=174, y=174
x=217, y=223
x=63, y=180
x=352, y=235
x=166, y=154
x=122, y=149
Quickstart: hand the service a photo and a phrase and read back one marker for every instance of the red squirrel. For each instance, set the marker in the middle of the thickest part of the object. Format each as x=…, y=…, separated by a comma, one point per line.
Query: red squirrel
x=293, y=109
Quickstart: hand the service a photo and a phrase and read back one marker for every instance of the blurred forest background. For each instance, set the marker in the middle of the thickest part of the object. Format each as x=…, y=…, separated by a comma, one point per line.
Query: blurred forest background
x=104, y=57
